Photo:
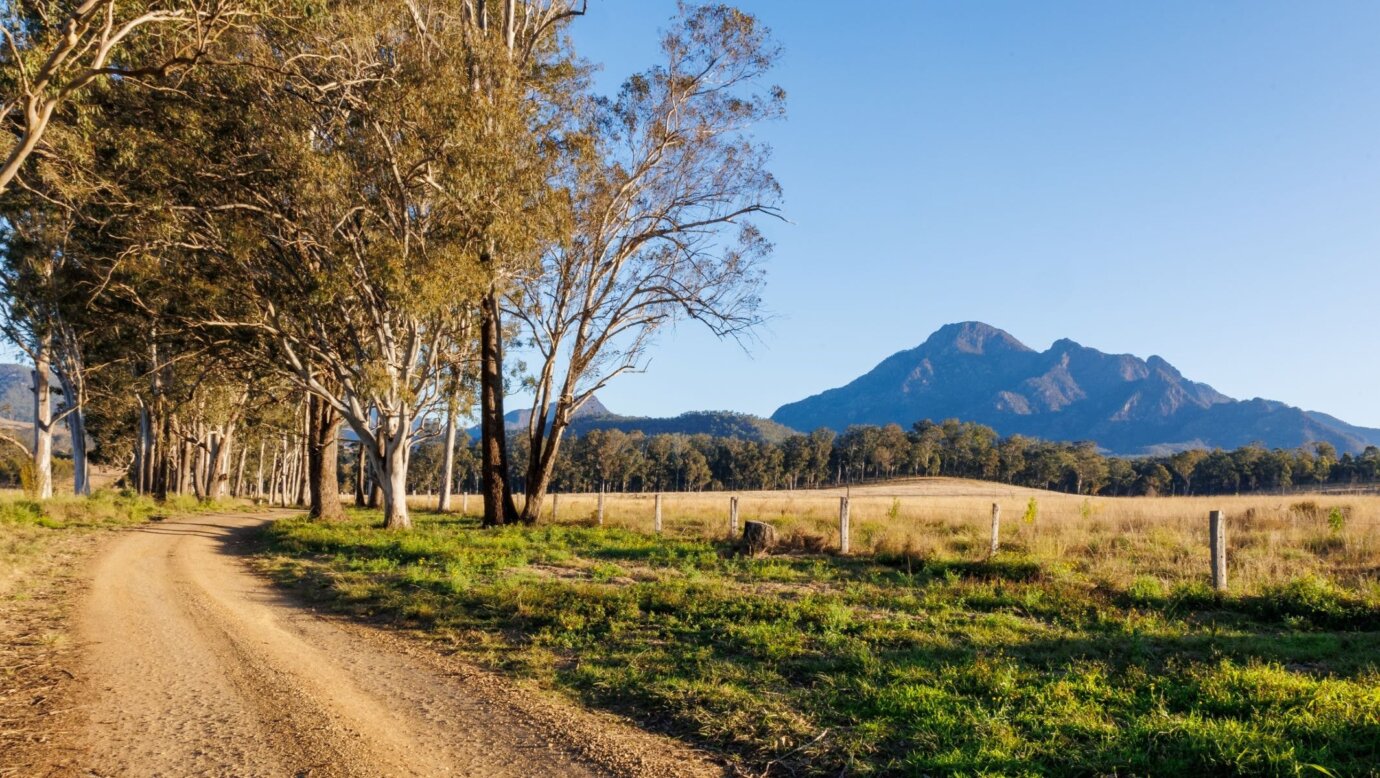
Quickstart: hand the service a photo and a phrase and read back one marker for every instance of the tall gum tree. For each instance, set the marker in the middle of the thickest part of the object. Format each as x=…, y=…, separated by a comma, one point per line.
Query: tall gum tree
x=665, y=203
x=357, y=233
x=55, y=61
x=53, y=52
x=528, y=33
x=38, y=313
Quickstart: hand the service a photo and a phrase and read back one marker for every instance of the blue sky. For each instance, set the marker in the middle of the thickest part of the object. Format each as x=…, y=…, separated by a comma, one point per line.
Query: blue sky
x=1195, y=180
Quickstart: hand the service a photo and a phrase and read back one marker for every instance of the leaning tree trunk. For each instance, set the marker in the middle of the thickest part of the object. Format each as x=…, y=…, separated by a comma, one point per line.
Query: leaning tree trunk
x=43, y=422
x=541, y=465
x=498, y=496
x=322, y=453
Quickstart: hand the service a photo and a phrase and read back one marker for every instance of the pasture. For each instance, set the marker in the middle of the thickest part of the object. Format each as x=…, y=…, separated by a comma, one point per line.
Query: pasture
x=1091, y=644
x=1112, y=540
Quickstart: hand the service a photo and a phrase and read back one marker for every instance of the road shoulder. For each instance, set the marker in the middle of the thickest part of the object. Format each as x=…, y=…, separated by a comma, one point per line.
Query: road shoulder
x=40, y=659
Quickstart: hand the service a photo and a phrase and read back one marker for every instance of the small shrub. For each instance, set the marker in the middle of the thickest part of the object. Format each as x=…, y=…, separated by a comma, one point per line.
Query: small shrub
x=1317, y=600
x=1192, y=595
x=1032, y=511
x=28, y=480
x=1146, y=590
x=1324, y=545
x=1336, y=519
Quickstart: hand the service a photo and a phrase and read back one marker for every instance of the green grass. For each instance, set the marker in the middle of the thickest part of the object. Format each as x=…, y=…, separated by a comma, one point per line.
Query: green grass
x=102, y=509
x=880, y=666
x=29, y=528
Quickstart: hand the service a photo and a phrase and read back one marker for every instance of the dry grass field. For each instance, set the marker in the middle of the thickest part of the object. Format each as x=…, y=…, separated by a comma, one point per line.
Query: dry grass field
x=1114, y=540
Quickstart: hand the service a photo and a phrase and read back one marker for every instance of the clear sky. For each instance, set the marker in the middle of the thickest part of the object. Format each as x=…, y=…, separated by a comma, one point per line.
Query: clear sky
x=1195, y=180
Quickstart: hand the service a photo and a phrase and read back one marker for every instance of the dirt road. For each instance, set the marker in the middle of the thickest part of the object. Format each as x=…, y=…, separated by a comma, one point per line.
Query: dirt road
x=195, y=666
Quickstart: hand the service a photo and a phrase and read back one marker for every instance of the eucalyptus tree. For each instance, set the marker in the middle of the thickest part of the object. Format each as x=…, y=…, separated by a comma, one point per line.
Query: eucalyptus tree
x=665, y=205
x=535, y=62
x=43, y=314
x=57, y=60
x=53, y=51
x=350, y=200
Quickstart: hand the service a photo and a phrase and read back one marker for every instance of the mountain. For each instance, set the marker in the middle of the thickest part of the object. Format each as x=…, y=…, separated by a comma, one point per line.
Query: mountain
x=591, y=408
x=1370, y=435
x=16, y=393
x=975, y=372
x=17, y=408
x=726, y=424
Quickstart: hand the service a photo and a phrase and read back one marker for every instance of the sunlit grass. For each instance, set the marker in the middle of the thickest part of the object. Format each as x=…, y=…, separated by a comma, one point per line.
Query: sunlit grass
x=29, y=529
x=939, y=662
x=1271, y=538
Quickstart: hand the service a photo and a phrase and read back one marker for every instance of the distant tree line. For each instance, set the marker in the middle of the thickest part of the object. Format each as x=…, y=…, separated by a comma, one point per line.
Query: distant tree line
x=632, y=461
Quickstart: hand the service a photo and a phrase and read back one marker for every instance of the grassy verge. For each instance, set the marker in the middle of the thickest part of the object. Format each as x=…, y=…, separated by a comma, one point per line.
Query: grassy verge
x=30, y=529
x=896, y=666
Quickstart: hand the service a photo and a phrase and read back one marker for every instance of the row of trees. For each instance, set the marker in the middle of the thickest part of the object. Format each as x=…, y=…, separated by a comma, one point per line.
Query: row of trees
x=231, y=227
x=630, y=461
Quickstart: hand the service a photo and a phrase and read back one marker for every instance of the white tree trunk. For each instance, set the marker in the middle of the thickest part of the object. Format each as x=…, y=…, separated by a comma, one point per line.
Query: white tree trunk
x=447, y=463
x=43, y=422
x=220, y=489
x=146, y=452
x=394, y=483
x=273, y=479
x=238, y=491
x=259, y=475
x=70, y=373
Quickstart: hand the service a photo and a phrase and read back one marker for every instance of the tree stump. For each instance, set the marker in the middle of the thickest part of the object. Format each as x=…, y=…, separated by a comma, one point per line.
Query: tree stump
x=758, y=538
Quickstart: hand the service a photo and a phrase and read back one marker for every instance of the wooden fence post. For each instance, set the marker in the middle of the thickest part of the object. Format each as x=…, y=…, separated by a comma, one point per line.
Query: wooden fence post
x=1217, y=533
x=733, y=517
x=555, y=498
x=464, y=503
x=843, y=525
x=996, y=529
x=657, y=523
x=601, y=505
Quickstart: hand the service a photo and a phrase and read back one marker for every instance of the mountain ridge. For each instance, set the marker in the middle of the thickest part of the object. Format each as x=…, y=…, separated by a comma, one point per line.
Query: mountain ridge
x=593, y=415
x=1128, y=405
